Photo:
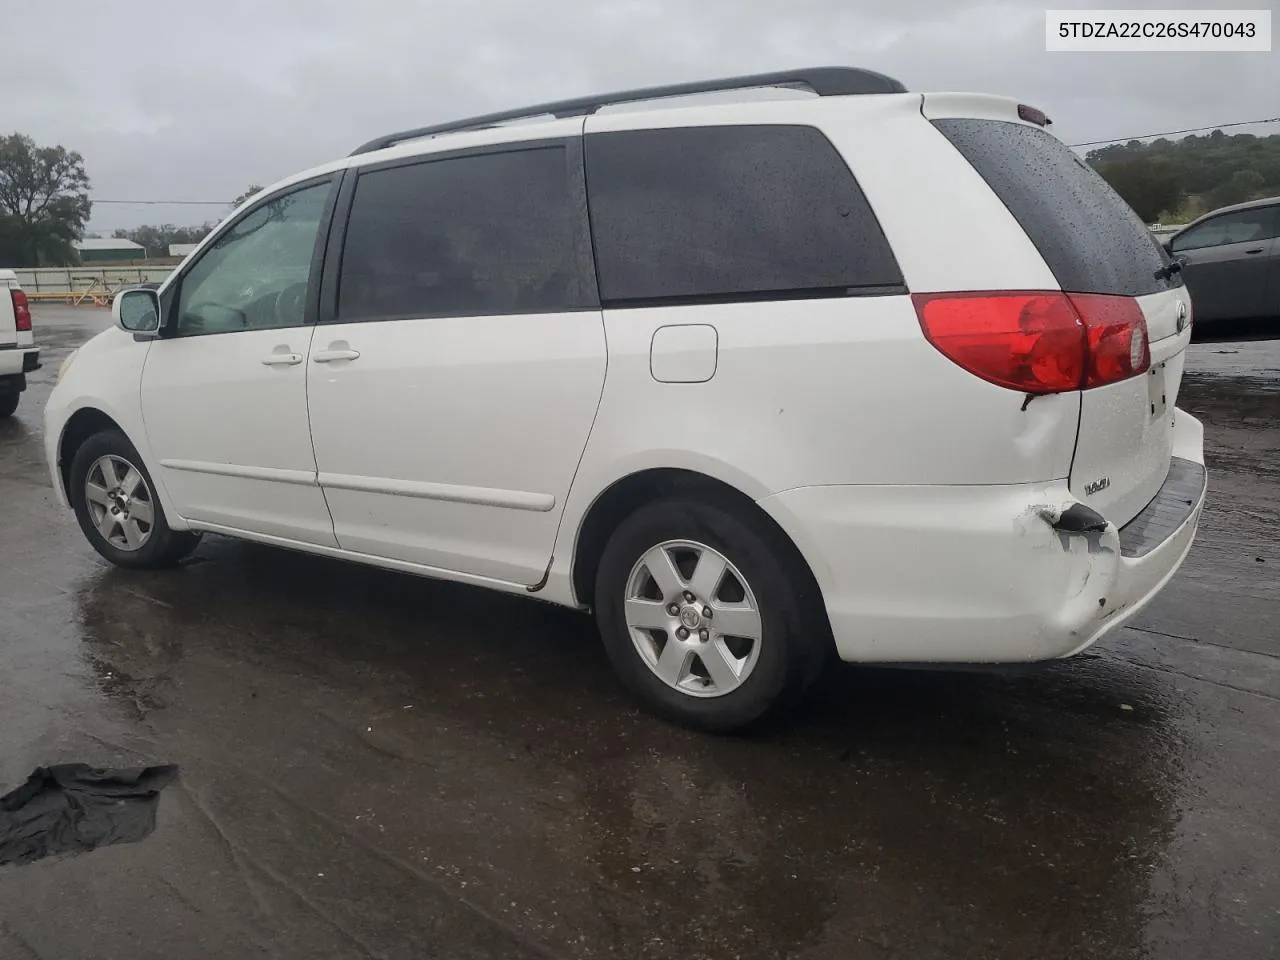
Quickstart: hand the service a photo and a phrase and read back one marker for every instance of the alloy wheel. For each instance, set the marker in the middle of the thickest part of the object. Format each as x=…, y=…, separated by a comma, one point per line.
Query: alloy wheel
x=120, y=503
x=693, y=618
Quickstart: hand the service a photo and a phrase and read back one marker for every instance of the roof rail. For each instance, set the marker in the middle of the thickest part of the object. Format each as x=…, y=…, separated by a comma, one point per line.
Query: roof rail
x=824, y=81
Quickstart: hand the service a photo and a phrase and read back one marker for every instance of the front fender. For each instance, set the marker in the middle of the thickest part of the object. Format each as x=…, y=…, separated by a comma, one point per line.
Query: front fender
x=106, y=377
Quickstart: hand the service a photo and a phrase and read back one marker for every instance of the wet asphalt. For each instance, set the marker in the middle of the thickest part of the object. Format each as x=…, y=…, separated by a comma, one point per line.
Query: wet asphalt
x=374, y=765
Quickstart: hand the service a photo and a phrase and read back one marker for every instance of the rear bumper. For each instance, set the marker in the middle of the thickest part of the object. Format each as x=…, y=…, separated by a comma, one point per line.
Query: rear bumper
x=17, y=361
x=979, y=574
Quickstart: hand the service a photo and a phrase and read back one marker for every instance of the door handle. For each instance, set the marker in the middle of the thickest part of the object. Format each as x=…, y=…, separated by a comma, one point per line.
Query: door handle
x=328, y=356
x=1254, y=250
x=282, y=359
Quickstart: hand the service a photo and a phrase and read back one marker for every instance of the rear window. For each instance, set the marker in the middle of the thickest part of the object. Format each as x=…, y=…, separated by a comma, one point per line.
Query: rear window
x=1089, y=237
x=730, y=213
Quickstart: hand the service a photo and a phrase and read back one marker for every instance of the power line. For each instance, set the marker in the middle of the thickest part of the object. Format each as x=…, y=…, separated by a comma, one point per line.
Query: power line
x=1173, y=133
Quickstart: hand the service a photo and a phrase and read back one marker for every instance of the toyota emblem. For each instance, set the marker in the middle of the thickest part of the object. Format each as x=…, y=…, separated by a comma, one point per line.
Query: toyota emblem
x=1182, y=315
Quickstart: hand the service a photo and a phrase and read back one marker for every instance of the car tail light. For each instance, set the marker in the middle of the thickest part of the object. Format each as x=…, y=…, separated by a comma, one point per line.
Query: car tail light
x=1117, y=331
x=1038, y=342
x=21, y=310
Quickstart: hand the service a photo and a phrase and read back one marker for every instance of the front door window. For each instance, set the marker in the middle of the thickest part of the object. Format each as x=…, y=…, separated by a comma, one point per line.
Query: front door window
x=255, y=276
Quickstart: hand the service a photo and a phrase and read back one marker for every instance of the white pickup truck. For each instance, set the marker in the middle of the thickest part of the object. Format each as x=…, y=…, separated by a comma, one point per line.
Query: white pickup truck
x=18, y=355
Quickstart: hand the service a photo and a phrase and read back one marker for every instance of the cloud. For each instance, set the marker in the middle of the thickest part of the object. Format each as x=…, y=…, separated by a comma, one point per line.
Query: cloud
x=177, y=100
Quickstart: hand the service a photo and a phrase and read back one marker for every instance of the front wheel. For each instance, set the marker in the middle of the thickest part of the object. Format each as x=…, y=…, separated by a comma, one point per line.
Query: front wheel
x=702, y=616
x=8, y=404
x=115, y=502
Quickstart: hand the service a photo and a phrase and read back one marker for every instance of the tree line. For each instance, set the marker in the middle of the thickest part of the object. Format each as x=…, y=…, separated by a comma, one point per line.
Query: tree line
x=1174, y=181
x=156, y=238
x=45, y=205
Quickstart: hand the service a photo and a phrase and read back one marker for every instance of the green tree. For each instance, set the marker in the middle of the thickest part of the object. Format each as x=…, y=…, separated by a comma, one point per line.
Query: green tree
x=1210, y=171
x=1243, y=185
x=44, y=202
x=253, y=189
x=1150, y=186
x=157, y=237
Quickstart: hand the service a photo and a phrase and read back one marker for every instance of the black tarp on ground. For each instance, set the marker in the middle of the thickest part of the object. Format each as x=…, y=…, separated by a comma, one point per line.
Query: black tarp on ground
x=73, y=808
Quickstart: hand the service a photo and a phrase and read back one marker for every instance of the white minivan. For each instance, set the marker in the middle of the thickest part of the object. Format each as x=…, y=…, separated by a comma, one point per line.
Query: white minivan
x=869, y=373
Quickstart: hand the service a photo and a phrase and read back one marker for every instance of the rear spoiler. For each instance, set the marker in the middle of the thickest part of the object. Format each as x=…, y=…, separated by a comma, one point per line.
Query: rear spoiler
x=980, y=106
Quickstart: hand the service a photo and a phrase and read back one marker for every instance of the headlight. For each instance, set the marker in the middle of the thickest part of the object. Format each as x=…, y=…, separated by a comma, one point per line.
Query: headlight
x=66, y=365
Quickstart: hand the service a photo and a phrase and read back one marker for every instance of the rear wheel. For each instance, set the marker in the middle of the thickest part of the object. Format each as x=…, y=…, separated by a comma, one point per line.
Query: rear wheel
x=115, y=503
x=702, y=618
x=8, y=404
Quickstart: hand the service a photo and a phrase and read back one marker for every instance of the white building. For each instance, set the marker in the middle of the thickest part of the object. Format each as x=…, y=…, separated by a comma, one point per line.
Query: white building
x=108, y=249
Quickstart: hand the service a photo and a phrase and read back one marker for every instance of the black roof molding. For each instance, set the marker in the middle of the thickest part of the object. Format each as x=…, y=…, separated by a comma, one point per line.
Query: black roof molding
x=824, y=81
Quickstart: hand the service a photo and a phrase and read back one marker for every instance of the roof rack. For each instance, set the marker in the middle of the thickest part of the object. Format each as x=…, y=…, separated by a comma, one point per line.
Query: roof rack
x=824, y=81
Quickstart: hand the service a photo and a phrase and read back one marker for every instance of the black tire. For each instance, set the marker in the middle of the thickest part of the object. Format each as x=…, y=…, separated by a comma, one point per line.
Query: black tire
x=163, y=546
x=8, y=404
x=795, y=641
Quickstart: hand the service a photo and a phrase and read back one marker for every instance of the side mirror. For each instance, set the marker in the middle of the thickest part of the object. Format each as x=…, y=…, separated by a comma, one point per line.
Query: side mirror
x=137, y=311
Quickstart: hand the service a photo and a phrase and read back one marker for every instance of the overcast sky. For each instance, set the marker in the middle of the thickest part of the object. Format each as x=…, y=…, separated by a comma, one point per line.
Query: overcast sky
x=179, y=100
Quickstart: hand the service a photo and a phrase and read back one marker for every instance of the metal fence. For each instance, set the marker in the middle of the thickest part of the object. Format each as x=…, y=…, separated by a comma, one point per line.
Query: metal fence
x=85, y=284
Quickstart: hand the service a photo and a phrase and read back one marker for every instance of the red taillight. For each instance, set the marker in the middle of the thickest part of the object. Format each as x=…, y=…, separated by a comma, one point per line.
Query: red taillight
x=1038, y=342
x=21, y=310
x=1117, y=331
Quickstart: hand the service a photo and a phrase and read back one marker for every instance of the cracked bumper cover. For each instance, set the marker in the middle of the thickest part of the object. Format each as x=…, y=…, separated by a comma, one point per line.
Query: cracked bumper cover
x=987, y=573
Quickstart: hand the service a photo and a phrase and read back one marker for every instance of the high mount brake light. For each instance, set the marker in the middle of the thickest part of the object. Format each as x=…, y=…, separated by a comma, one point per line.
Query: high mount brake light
x=1032, y=115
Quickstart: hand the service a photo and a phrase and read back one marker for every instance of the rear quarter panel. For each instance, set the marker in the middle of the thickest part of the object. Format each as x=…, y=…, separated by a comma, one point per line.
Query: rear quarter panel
x=810, y=393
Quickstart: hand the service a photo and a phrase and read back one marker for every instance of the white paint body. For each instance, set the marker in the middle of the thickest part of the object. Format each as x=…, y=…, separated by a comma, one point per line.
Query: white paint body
x=15, y=344
x=473, y=448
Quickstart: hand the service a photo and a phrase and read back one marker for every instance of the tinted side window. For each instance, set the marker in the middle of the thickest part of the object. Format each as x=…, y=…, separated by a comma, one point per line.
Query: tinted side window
x=727, y=213
x=1089, y=237
x=494, y=233
x=1239, y=227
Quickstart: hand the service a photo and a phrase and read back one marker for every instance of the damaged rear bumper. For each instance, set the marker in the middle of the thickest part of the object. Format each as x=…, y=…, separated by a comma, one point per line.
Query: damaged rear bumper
x=997, y=573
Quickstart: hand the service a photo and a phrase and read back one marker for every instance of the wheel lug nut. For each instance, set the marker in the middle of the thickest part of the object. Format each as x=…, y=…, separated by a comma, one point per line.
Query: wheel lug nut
x=674, y=609
x=688, y=596
x=706, y=613
x=682, y=633
x=704, y=634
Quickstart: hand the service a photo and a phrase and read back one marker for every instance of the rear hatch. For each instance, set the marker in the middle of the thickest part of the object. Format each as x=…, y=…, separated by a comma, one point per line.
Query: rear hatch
x=1093, y=243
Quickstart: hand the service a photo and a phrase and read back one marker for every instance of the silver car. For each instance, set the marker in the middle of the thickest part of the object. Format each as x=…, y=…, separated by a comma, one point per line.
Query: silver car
x=1231, y=261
